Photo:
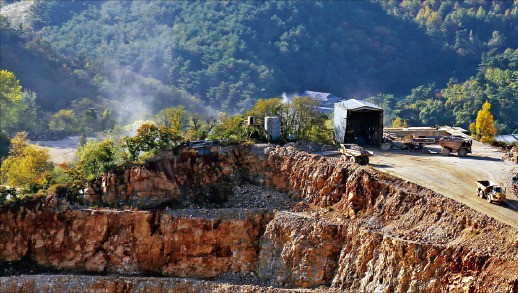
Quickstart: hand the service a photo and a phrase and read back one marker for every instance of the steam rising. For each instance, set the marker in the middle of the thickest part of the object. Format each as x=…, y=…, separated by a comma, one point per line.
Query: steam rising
x=286, y=98
x=132, y=101
x=136, y=98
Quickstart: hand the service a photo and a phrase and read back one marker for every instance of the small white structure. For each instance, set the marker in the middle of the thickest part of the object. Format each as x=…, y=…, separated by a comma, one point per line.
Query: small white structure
x=272, y=127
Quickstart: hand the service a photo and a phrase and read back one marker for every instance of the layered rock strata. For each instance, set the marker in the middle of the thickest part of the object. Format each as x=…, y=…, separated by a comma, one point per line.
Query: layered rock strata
x=356, y=229
x=133, y=242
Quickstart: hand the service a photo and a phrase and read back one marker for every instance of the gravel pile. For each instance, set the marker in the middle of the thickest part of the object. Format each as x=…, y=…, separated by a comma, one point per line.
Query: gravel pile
x=311, y=147
x=246, y=200
x=258, y=197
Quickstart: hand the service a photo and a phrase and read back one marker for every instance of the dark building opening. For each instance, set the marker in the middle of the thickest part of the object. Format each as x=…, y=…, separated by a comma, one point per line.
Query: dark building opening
x=363, y=128
x=358, y=122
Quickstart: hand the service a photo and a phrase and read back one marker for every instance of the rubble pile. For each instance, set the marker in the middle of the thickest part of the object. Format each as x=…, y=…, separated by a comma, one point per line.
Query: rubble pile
x=311, y=147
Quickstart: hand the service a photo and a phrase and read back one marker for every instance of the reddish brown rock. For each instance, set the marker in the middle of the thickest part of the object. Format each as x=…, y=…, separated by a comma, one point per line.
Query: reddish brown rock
x=359, y=230
x=132, y=242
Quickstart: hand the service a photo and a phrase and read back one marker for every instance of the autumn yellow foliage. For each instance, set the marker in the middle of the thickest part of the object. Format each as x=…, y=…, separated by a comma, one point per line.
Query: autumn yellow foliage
x=26, y=164
x=399, y=123
x=483, y=128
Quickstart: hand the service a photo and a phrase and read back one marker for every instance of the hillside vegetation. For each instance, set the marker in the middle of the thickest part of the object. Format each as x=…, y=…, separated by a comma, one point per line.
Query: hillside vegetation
x=411, y=56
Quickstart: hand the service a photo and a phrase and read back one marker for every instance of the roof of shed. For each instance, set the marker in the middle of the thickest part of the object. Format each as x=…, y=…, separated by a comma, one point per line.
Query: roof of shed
x=509, y=138
x=318, y=95
x=354, y=104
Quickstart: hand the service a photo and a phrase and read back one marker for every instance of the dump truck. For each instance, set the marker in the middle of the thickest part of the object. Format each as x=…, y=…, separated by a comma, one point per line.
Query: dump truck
x=355, y=153
x=490, y=191
x=455, y=144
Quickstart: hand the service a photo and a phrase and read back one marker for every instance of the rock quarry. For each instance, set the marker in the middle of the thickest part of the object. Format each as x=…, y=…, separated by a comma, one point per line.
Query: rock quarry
x=253, y=219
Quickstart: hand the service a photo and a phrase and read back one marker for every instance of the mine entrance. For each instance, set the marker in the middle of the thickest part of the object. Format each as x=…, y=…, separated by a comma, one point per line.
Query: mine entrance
x=364, y=127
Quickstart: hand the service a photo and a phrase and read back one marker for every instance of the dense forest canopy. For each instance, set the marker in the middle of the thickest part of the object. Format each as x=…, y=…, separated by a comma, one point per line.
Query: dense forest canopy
x=470, y=27
x=458, y=103
x=428, y=62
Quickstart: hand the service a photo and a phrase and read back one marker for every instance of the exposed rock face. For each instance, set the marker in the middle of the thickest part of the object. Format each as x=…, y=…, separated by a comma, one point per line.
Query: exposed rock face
x=360, y=230
x=178, y=176
x=297, y=251
x=132, y=242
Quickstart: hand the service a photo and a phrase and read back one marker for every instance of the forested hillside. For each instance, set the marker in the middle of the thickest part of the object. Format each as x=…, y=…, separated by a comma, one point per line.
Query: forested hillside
x=231, y=53
x=41, y=70
x=469, y=27
x=412, y=56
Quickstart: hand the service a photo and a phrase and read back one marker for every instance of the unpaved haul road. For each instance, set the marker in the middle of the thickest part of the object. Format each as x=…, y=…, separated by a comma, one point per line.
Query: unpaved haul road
x=455, y=177
x=60, y=151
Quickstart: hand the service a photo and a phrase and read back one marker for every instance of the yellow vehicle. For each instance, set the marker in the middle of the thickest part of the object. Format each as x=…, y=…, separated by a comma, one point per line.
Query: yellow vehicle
x=490, y=191
x=355, y=153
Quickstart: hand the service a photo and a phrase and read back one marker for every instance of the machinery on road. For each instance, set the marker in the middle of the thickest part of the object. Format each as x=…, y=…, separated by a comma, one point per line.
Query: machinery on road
x=455, y=144
x=490, y=191
x=355, y=153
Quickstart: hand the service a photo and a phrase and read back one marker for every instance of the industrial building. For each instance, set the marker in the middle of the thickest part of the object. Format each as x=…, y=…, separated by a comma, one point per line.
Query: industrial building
x=358, y=122
x=327, y=100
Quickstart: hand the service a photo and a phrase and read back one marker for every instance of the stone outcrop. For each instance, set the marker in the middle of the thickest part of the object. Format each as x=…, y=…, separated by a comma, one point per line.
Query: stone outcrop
x=130, y=242
x=297, y=251
x=179, y=176
x=355, y=229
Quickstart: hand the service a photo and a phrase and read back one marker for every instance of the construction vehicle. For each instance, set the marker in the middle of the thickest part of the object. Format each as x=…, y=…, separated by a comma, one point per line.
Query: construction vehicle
x=355, y=153
x=490, y=191
x=455, y=144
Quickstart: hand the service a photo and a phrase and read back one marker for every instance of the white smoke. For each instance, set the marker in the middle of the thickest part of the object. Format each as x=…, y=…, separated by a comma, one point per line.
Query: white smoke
x=286, y=98
x=138, y=98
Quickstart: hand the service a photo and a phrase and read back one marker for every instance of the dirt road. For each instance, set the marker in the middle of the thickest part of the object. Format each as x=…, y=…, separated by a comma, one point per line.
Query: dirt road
x=61, y=151
x=455, y=177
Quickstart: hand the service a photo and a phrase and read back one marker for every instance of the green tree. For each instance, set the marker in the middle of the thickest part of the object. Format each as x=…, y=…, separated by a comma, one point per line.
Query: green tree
x=107, y=120
x=85, y=115
x=26, y=164
x=302, y=117
x=483, y=128
x=10, y=94
x=96, y=157
x=4, y=145
x=229, y=128
x=462, y=101
x=266, y=107
x=23, y=115
x=410, y=107
x=151, y=139
x=172, y=118
x=198, y=127
x=64, y=120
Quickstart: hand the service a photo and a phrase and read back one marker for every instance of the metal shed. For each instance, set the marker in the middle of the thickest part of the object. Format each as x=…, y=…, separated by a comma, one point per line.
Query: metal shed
x=358, y=122
x=509, y=138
